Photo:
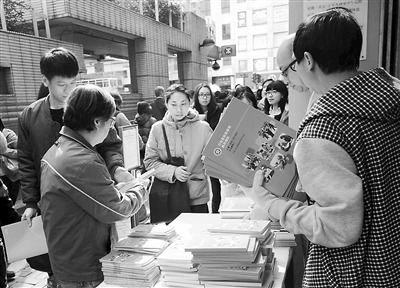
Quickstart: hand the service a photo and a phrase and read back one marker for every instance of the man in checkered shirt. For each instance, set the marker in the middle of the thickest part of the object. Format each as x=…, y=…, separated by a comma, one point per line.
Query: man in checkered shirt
x=347, y=155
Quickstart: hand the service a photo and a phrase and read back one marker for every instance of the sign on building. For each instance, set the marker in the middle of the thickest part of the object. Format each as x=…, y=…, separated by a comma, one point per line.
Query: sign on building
x=228, y=50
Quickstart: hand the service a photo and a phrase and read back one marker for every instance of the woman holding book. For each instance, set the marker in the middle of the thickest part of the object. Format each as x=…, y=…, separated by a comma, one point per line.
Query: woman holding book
x=205, y=103
x=186, y=136
x=276, y=101
x=79, y=201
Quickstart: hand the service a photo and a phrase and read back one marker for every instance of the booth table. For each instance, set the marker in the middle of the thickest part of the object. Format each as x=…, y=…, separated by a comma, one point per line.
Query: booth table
x=190, y=226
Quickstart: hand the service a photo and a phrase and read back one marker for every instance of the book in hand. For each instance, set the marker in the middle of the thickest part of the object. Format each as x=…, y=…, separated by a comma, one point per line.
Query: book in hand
x=247, y=140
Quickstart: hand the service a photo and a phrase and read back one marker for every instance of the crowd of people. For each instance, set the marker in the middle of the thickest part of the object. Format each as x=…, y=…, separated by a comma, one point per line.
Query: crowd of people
x=70, y=164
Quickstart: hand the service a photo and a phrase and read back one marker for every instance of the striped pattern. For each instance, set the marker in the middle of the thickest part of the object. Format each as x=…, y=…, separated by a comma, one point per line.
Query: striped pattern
x=362, y=116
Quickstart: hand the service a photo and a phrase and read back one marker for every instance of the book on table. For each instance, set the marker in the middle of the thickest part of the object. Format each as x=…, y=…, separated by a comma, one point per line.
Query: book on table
x=241, y=226
x=247, y=140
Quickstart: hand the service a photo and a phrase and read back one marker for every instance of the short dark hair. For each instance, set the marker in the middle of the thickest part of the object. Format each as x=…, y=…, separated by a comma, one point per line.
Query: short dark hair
x=143, y=108
x=59, y=62
x=213, y=102
x=249, y=95
x=84, y=104
x=176, y=88
x=333, y=38
x=279, y=86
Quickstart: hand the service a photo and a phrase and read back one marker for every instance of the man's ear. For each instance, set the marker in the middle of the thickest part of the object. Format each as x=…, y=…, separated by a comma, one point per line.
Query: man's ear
x=97, y=123
x=45, y=81
x=309, y=61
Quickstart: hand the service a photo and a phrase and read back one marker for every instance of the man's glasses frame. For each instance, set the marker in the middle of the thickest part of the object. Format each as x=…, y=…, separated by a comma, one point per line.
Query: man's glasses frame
x=292, y=67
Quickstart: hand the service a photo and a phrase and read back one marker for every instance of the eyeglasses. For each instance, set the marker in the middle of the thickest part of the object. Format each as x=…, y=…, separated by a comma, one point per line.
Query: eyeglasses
x=206, y=95
x=292, y=67
x=113, y=119
x=270, y=92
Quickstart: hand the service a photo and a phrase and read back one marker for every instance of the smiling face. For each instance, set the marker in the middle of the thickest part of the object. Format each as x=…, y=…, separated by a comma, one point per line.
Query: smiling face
x=59, y=88
x=178, y=105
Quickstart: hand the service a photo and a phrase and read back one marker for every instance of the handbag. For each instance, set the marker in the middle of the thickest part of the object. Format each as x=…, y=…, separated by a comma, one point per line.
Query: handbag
x=168, y=200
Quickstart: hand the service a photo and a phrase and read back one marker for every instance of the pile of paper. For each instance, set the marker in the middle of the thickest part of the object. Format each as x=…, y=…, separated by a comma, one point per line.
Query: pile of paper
x=142, y=245
x=228, y=257
x=156, y=231
x=130, y=269
x=235, y=207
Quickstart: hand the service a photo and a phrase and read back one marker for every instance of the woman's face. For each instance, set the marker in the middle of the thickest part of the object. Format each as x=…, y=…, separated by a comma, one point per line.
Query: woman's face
x=274, y=97
x=178, y=105
x=204, y=96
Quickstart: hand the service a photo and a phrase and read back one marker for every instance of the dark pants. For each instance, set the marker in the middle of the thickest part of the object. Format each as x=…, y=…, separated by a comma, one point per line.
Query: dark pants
x=216, y=191
x=3, y=266
x=13, y=188
x=203, y=208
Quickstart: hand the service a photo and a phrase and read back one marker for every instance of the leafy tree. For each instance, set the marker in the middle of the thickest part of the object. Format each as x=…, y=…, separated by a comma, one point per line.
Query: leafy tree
x=149, y=9
x=14, y=13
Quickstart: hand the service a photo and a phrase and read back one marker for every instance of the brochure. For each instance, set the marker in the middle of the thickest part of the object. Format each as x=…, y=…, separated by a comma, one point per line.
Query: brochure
x=246, y=140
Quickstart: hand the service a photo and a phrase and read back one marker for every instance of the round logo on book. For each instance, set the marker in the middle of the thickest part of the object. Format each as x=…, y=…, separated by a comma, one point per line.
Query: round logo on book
x=217, y=151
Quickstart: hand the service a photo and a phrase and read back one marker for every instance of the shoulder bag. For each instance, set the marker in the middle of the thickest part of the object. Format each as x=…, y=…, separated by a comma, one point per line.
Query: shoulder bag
x=168, y=200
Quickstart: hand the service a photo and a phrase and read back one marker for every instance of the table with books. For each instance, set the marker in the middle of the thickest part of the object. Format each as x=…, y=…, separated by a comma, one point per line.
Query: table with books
x=198, y=256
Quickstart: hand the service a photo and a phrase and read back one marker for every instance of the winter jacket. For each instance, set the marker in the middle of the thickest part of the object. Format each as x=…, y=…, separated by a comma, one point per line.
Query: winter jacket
x=213, y=117
x=79, y=202
x=186, y=138
x=37, y=132
x=158, y=108
x=348, y=155
x=10, y=152
x=145, y=121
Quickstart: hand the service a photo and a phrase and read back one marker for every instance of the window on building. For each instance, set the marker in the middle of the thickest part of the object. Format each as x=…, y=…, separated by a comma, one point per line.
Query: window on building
x=225, y=6
x=205, y=7
x=280, y=13
x=227, y=61
x=226, y=31
x=260, y=17
x=279, y=37
x=260, y=41
x=260, y=65
x=242, y=21
x=242, y=43
x=242, y=65
x=5, y=81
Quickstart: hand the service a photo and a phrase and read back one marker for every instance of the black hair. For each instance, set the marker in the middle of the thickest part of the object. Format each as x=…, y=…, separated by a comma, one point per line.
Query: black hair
x=43, y=91
x=118, y=99
x=249, y=95
x=279, y=86
x=176, y=88
x=213, y=102
x=84, y=104
x=333, y=38
x=59, y=62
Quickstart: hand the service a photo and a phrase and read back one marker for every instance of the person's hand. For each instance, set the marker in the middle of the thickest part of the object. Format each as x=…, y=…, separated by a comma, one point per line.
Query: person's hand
x=257, y=192
x=122, y=175
x=29, y=213
x=181, y=174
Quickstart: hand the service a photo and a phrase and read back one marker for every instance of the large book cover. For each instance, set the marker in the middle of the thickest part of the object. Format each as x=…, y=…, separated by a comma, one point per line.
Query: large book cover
x=246, y=140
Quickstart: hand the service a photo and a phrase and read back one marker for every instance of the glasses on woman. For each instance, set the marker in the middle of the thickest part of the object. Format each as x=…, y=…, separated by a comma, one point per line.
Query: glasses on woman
x=271, y=92
x=205, y=95
x=292, y=67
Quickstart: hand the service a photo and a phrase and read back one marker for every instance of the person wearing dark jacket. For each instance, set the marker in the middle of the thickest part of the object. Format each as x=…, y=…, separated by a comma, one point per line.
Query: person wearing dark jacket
x=205, y=103
x=158, y=106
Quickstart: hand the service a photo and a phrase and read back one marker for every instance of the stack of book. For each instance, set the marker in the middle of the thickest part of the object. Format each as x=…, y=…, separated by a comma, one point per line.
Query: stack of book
x=130, y=269
x=247, y=140
x=228, y=257
x=156, y=231
x=177, y=267
x=235, y=207
x=284, y=238
x=142, y=245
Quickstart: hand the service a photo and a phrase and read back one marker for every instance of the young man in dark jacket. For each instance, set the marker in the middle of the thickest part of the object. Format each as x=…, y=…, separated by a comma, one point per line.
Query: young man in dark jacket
x=39, y=126
x=158, y=106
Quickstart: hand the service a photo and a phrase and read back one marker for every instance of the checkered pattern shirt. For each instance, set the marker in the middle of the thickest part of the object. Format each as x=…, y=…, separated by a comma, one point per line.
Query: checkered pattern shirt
x=362, y=115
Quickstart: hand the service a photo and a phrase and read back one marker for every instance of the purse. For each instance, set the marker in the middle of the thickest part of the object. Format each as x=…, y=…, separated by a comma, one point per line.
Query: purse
x=168, y=200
